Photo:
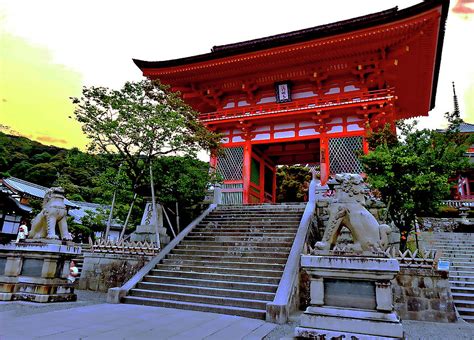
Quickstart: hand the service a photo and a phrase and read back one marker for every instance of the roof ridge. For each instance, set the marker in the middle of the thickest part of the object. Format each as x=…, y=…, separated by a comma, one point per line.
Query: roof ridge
x=331, y=25
x=28, y=183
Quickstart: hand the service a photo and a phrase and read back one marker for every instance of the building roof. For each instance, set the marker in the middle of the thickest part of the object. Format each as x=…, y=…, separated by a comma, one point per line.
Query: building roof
x=21, y=186
x=316, y=32
x=237, y=57
x=466, y=127
x=84, y=208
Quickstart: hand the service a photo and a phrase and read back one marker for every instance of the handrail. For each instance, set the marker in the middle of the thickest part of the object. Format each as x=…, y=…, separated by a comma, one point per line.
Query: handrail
x=300, y=104
x=279, y=310
x=115, y=294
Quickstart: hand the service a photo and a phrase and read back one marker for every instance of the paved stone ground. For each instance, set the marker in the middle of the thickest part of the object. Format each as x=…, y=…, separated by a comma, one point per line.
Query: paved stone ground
x=91, y=318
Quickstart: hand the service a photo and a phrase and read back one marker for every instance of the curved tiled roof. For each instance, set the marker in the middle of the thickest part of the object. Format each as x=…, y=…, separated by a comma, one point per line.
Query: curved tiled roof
x=30, y=189
x=302, y=35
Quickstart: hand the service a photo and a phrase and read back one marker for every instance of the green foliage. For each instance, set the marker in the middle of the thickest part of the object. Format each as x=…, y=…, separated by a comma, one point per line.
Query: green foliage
x=140, y=122
x=115, y=274
x=292, y=183
x=182, y=179
x=412, y=172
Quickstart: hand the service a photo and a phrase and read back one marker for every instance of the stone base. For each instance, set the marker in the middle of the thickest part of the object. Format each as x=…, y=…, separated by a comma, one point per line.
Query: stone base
x=41, y=298
x=36, y=271
x=148, y=233
x=344, y=321
x=324, y=334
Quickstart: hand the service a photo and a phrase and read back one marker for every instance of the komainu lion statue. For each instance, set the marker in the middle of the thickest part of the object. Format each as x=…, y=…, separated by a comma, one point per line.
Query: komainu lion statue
x=348, y=211
x=54, y=211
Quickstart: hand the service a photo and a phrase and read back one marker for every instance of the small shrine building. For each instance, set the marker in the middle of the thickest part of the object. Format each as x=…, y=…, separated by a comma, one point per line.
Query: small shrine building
x=309, y=96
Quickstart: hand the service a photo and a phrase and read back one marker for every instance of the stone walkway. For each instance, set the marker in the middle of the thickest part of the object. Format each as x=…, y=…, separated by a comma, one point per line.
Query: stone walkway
x=106, y=321
x=91, y=318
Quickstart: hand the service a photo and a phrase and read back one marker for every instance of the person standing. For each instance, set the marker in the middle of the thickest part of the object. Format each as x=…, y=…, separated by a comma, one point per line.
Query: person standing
x=73, y=272
x=22, y=232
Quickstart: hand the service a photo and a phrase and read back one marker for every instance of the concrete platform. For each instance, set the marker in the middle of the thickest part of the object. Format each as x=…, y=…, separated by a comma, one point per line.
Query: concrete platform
x=122, y=321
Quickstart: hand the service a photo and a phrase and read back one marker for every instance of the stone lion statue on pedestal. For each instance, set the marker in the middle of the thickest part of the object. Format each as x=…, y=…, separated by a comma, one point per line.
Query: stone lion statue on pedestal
x=53, y=212
x=348, y=210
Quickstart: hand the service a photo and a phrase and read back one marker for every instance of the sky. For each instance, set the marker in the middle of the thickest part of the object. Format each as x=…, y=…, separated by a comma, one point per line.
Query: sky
x=50, y=49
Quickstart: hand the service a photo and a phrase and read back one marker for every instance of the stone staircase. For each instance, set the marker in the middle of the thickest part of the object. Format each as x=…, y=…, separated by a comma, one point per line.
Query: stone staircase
x=230, y=263
x=79, y=259
x=458, y=248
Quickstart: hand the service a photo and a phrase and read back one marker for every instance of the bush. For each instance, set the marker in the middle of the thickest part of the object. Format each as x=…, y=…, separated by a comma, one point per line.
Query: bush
x=448, y=211
x=115, y=274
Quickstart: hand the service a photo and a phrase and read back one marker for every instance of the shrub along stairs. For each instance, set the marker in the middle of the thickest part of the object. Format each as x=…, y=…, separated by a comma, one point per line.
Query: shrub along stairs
x=230, y=263
x=458, y=248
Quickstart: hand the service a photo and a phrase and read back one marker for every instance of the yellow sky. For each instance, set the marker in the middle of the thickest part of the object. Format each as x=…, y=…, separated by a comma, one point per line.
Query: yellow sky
x=49, y=49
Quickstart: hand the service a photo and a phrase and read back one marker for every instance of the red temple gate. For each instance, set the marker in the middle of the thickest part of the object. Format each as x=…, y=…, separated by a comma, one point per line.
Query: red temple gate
x=309, y=96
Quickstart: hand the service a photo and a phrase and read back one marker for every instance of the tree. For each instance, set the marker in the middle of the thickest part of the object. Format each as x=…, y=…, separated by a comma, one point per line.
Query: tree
x=292, y=183
x=412, y=172
x=140, y=122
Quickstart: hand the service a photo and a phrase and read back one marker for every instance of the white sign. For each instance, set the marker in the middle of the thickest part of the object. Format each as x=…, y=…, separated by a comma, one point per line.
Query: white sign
x=443, y=266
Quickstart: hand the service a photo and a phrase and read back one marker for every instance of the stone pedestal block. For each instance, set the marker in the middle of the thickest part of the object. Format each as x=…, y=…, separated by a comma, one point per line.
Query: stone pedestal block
x=37, y=271
x=351, y=296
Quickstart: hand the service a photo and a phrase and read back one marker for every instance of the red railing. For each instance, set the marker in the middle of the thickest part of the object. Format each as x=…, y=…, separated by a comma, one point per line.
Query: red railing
x=322, y=103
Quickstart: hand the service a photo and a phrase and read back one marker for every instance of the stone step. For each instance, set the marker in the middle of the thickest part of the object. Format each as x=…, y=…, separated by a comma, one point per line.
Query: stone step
x=465, y=311
x=250, y=223
x=458, y=255
x=245, y=312
x=456, y=268
x=214, y=300
x=199, y=290
x=462, y=289
x=456, y=259
x=463, y=297
x=240, y=229
x=257, y=243
x=248, y=217
x=248, y=233
x=233, y=248
x=468, y=318
x=221, y=270
x=250, y=286
x=230, y=252
x=242, y=265
x=463, y=304
x=241, y=238
x=460, y=283
x=461, y=278
x=276, y=260
x=215, y=276
x=254, y=214
x=455, y=249
x=461, y=273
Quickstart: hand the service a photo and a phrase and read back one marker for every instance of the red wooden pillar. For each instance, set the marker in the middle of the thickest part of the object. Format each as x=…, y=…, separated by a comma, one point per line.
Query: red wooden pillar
x=365, y=146
x=274, y=186
x=324, y=159
x=262, y=180
x=246, y=171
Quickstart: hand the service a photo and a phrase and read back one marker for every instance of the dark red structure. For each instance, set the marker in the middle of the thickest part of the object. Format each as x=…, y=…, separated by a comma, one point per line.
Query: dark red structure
x=309, y=96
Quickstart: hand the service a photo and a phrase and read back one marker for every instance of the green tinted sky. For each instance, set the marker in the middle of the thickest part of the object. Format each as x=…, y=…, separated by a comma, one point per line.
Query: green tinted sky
x=35, y=93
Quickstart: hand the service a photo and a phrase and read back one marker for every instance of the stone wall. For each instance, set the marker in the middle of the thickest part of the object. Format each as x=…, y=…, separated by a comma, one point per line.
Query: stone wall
x=423, y=295
x=98, y=268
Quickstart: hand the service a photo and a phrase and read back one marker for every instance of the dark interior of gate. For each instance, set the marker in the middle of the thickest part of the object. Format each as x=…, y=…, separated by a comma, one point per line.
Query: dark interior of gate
x=265, y=157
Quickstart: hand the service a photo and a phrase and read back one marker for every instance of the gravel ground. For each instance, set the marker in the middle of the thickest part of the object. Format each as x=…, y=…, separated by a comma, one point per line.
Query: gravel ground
x=414, y=330
x=23, y=308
